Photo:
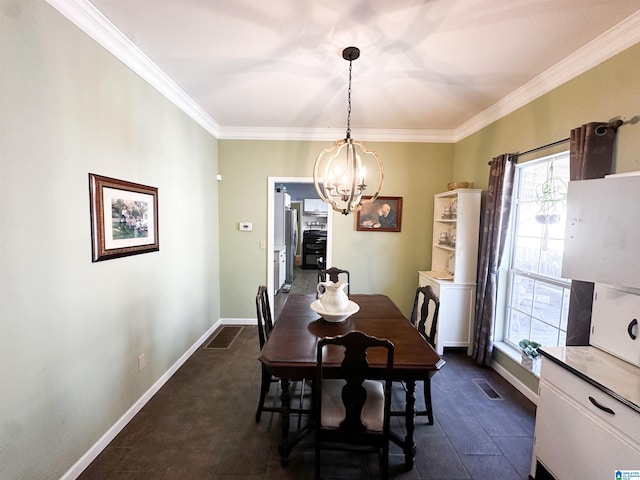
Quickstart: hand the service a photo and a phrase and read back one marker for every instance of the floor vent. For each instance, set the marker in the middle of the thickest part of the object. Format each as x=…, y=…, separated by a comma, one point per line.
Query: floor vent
x=488, y=390
x=224, y=338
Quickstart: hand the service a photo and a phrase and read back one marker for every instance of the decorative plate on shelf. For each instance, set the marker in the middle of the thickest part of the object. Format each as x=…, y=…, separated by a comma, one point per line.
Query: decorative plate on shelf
x=451, y=264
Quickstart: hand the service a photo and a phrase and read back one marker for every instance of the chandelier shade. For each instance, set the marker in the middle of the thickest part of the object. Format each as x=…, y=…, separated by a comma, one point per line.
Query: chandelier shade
x=344, y=172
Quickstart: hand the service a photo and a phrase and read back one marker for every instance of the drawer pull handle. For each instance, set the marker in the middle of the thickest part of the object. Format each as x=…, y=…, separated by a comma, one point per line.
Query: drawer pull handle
x=601, y=407
x=632, y=325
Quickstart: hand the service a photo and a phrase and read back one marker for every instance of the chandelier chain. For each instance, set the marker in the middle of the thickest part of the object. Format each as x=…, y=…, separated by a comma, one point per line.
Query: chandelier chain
x=349, y=102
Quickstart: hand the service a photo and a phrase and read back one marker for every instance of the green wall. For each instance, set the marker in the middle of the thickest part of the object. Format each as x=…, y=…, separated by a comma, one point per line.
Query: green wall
x=610, y=90
x=71, y=330
x=386, y=262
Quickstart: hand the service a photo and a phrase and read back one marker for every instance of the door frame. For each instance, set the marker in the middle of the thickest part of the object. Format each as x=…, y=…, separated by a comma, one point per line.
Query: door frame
x=271, y=188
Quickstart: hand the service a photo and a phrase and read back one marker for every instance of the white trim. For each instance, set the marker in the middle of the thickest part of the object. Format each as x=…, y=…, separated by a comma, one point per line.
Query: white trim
x=95, y=450
x=333, y=134
x=610, y=43
x=92, y=22
x=238, y=321
x=89, y=19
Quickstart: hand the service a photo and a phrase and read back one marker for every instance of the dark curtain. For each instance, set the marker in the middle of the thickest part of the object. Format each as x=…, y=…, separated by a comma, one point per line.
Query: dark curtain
x=495, y=222
x=591, y=156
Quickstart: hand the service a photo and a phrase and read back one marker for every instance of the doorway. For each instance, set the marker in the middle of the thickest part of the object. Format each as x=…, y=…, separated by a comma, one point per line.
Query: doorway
x=295, y=185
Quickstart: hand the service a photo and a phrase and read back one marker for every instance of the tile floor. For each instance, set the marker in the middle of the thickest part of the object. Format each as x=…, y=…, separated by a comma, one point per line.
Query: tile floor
x=201, y=425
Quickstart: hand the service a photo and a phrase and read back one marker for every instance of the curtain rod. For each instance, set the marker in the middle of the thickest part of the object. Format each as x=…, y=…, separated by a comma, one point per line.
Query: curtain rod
x=615, y=124
x=548, y=145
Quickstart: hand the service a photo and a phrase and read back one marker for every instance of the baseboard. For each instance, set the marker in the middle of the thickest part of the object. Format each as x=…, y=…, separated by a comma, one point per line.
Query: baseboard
x=238, y=321
x=84, y=461
x=515, y=382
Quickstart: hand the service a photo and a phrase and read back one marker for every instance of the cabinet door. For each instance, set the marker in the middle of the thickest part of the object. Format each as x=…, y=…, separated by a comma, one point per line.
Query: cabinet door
x=614, y=323
x=570, y=443
x=602, y=231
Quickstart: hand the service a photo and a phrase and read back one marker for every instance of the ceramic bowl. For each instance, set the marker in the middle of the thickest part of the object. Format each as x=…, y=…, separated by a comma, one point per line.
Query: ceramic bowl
x=335, y=317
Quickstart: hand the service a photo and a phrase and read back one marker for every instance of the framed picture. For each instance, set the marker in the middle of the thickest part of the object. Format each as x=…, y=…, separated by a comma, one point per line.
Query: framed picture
x=124, y=218
x=384, y=214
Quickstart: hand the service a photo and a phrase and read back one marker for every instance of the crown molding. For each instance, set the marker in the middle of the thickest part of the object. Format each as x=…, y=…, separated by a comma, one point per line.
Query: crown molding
x=91, y=21
x=333, y=134
x=610, y=43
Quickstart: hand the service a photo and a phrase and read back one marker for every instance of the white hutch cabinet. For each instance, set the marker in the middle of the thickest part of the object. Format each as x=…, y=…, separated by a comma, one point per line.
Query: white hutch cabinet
x=454, y=253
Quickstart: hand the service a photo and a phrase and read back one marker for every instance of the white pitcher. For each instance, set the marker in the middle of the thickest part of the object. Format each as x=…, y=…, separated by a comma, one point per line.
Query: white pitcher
x=332, y=296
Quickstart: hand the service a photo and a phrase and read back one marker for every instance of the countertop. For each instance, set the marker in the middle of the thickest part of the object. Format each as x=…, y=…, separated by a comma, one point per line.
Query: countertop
x=614, y=376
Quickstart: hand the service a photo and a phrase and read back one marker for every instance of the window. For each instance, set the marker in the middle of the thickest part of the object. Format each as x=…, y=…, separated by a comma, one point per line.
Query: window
x=537, y=297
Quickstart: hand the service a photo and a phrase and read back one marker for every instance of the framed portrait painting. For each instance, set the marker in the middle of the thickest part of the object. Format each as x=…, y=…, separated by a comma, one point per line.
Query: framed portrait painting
x=124, y=218
x=384, y=214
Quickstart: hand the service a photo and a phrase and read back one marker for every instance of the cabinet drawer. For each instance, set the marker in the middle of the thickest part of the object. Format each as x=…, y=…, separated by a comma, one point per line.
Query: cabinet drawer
x=625, y=419
x=572, y=444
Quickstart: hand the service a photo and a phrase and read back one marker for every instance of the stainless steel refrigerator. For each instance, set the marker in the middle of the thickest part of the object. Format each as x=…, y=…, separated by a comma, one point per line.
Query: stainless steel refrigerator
x=291, y=242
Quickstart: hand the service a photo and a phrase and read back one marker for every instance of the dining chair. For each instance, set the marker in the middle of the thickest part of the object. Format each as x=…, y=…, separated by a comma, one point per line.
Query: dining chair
x=353, y=410
x=334, y=274
x=420, y=321
x=265, y=324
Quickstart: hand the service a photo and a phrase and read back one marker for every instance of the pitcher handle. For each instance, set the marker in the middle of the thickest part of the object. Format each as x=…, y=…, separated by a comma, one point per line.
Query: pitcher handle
x=321, y=288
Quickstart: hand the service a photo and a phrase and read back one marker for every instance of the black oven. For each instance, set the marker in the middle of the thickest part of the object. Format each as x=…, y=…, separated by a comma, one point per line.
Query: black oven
x=314, y=247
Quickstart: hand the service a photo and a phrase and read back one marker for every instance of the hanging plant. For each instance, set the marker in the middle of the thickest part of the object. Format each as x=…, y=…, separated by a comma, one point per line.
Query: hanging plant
x=550, y=194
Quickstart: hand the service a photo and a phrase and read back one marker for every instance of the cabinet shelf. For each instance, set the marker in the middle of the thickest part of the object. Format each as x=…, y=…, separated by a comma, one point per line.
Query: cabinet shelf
x=456, y=290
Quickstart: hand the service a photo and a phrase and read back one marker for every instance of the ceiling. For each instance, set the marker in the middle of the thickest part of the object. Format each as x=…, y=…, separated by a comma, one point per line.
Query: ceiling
x=428, y=68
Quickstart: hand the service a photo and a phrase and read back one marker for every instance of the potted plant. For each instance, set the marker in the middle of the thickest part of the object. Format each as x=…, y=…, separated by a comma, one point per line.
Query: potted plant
x=530, y=353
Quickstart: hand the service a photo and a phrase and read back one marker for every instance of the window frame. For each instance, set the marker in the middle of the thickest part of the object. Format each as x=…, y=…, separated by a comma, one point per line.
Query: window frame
x=508, y=272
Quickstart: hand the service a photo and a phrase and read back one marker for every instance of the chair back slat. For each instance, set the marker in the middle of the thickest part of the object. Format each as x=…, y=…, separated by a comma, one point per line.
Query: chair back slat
x=354, y=369
x=334, y=274
x=263, y=311
x=429, y=298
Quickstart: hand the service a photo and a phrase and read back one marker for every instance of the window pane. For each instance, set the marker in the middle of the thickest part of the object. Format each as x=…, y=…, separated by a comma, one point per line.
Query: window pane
x=519, y=326
x=521, y=294
x=551, y=259
x=527, y=254
x=544, y=334
x=548, y=303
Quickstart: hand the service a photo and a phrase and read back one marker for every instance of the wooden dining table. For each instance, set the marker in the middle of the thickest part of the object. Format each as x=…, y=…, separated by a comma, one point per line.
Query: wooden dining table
x=290, y=354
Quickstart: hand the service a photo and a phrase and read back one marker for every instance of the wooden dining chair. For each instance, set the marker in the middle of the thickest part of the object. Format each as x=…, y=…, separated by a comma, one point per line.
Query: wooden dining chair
x=335, y=274
x=423, y=322
x=352, y=410
x=265, y=324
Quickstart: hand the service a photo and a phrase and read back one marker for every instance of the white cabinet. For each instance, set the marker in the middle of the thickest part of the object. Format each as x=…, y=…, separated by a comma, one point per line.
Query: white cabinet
x=581, y=430
x=454, y=258
x=315, y=206
x=457, y=306
x=603, y=226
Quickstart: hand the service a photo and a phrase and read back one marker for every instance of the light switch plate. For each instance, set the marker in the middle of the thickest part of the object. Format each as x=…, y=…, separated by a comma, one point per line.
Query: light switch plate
x=246, y=226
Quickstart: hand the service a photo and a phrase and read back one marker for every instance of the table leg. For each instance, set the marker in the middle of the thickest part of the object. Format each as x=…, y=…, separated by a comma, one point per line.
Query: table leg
x=285, y=408
x=409, y=444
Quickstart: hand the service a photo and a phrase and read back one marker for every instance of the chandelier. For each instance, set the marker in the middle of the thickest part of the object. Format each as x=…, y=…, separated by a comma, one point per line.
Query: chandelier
x=342, y=172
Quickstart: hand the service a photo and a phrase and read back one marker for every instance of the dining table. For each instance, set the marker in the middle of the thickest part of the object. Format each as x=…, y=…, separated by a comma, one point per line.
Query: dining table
x=290, y=353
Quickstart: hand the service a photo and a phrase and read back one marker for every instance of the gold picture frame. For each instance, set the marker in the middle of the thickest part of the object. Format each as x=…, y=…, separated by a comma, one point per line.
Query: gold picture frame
x=124, y=218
